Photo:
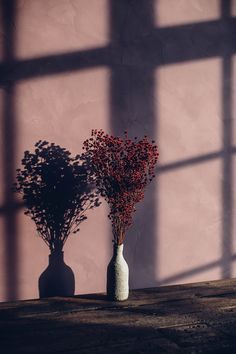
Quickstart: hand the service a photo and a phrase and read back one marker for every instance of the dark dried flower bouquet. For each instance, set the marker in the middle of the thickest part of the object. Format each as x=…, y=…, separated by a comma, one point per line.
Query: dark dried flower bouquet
x=56, y=192
x=123, y=168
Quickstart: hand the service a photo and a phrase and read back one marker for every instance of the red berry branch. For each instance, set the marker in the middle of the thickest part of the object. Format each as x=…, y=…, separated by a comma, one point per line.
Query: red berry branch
x=123, y=168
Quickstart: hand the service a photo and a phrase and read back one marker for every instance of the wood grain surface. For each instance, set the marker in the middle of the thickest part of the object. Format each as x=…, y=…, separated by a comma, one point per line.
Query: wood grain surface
x=190, y=318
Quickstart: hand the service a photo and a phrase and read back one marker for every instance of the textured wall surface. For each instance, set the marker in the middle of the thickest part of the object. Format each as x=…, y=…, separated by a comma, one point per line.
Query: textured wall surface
x=164, y=68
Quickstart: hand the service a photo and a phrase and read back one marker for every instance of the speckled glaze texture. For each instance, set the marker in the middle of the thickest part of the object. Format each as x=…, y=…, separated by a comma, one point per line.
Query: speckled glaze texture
x=118, y=276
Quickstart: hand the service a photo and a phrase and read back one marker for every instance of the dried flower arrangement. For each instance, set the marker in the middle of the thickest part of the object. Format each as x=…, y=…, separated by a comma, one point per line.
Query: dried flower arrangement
x=123, y=168
x=56, y=192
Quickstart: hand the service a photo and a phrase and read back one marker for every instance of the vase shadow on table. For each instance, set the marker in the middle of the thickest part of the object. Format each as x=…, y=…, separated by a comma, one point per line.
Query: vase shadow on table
x=57, y=279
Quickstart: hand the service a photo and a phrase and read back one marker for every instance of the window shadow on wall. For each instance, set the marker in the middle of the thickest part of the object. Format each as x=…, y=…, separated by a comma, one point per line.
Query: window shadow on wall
x=9, y=145
x=136, y=49
x=227, y=145
x=142, y=48
x=132, y=108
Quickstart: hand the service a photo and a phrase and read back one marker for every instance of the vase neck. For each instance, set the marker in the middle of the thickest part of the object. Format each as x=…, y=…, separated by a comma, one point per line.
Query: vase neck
x=118, y=250
x=56, y=257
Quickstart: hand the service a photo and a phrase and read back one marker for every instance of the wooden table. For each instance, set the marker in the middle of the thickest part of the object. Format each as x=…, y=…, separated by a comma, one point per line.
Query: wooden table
x=192, y=318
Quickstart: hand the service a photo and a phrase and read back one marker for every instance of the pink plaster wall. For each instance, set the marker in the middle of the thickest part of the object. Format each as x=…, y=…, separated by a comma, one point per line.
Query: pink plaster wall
x=70, y=66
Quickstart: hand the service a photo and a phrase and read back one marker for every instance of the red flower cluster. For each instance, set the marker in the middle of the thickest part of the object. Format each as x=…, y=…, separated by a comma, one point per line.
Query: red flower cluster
x=123, y=168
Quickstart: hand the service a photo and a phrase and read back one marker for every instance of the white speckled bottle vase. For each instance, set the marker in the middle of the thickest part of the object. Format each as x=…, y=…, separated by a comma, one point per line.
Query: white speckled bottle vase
x=118, y=276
